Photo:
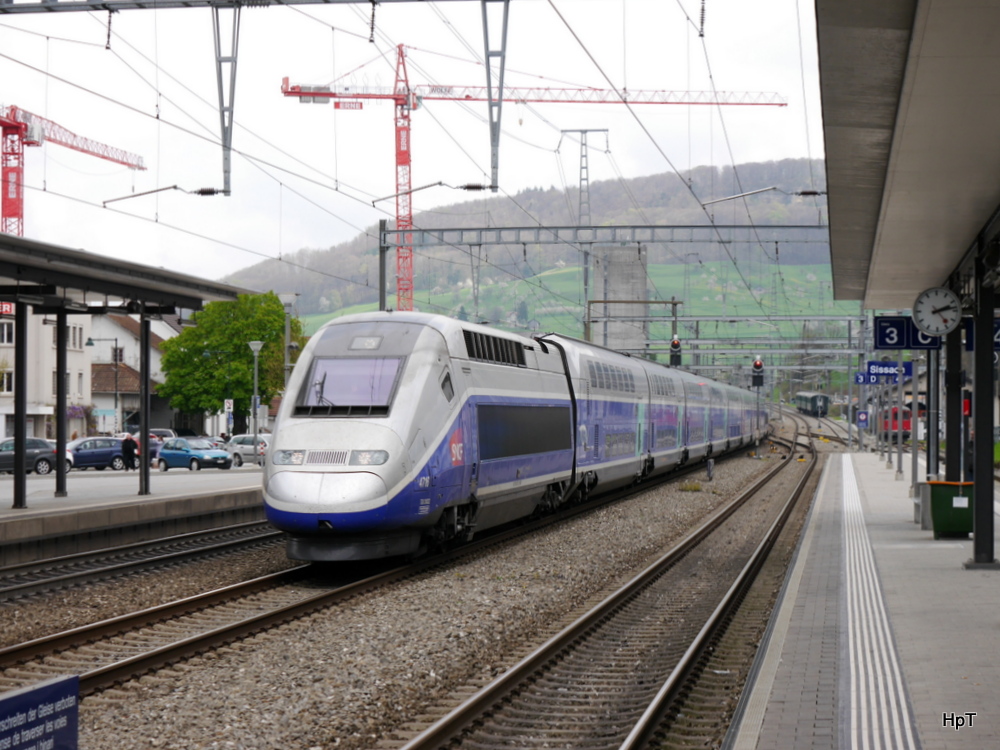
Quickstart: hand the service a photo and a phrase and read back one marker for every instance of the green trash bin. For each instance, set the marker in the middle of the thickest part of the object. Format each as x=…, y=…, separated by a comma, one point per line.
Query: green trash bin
x=951, y=508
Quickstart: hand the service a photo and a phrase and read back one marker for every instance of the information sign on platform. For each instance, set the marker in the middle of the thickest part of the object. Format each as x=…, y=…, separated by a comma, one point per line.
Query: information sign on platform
x=900, y=332
x=970, y=337
x=862, y=420
x=41, y=716
x=889, y=369
x=863, y=378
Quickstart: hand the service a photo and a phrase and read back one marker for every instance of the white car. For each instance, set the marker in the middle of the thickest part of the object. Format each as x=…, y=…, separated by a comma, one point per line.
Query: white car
x=241, y=448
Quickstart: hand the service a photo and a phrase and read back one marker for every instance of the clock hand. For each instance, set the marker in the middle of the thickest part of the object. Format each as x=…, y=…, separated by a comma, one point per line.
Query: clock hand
x=937, y=310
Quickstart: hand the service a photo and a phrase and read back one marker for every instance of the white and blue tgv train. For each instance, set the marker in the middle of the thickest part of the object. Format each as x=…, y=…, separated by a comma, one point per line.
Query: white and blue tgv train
x=404, y=431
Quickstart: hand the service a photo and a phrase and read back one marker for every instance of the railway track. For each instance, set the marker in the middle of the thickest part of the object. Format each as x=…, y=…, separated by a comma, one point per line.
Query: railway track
x=613, y=675
x=74, y=570
x=122, y=648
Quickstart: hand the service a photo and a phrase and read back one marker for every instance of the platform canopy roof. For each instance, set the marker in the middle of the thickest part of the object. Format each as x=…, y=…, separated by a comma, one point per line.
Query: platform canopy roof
x=911, y=112
x=50, y=277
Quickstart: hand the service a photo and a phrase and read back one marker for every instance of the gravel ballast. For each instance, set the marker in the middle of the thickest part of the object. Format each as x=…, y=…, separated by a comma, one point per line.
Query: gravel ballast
x=346, y=676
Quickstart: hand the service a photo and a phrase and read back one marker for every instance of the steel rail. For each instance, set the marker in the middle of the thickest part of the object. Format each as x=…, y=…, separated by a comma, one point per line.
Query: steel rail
x=117, y=672
x=648, y=723
x=44, y=581
x=452, y=724
x=16, y=654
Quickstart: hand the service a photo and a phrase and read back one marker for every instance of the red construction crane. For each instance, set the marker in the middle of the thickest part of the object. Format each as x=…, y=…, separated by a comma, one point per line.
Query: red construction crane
x=21, y=128
x=408, y=97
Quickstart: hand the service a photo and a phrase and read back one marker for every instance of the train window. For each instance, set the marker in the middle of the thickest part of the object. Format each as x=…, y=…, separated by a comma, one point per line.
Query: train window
x=350, y=385
x=593, y=374
x=505, y=430
x=447, y=387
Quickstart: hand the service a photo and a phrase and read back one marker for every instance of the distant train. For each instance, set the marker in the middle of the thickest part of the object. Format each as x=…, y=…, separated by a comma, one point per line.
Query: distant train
x=405, y=431
x=813, y=404
x=890, y=422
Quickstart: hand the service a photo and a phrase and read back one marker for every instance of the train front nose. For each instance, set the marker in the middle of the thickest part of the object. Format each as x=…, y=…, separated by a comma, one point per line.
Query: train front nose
x=320, y=479
x=311, y=501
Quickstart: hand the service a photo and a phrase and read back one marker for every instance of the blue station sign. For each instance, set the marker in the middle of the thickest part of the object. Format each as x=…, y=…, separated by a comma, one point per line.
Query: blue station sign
x=889, y=369
x=900, y=332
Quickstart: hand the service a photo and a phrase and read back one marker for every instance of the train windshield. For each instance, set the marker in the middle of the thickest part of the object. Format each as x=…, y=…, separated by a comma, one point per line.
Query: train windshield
x=350, y=386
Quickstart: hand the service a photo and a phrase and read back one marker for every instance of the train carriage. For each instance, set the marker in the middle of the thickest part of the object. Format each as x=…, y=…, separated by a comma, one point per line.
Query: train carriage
x=812, y=403
x=402, y=431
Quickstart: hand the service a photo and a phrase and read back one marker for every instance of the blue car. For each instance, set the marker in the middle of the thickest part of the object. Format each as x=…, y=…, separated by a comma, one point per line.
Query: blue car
x=193, y=454
x=99, y=452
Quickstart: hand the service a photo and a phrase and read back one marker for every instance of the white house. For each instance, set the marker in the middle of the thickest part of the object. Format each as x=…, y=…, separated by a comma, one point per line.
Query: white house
x=115, y=352
x=42, y=373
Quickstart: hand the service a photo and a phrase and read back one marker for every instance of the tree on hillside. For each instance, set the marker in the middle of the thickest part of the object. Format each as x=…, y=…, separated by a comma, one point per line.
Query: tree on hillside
x=212, y=360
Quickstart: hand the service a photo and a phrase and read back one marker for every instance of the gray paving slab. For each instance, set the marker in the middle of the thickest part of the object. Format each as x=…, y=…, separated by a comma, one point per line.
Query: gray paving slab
x=946, y=619
x=942, y=624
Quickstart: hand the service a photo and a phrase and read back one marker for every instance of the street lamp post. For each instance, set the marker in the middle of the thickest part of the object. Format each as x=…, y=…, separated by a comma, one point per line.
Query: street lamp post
x=114, y=357
x=256, y=347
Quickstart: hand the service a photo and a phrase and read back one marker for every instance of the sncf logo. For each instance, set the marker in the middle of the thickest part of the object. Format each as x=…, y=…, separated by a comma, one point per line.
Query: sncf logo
x=457, y=448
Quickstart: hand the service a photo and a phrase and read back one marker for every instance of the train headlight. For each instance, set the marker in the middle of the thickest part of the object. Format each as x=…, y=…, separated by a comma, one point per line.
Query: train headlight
x=368, y=458
x=288, y=458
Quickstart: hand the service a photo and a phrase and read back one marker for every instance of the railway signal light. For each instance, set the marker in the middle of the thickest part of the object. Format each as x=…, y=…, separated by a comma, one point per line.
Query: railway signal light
x=757, y=370
x=675, y=351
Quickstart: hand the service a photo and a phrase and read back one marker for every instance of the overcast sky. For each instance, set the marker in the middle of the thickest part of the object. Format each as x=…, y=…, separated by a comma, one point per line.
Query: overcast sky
x=304, y=176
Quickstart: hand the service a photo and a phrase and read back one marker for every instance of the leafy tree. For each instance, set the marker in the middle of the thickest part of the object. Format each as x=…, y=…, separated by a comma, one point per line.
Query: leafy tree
x=212, y=360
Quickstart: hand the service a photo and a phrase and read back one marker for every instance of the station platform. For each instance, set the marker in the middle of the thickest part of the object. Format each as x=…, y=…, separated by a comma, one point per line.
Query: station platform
x=104, y=509
x=881, y=638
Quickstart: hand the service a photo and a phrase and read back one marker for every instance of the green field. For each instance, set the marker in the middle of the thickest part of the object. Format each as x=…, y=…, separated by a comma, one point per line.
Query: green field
x=554, y=299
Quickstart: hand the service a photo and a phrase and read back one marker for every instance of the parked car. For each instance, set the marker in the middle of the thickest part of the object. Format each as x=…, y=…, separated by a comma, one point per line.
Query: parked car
x=99, y=452
x=193, y=454
x=163, y=433
x=69, y=454
x=242, y=450
x=39, y=455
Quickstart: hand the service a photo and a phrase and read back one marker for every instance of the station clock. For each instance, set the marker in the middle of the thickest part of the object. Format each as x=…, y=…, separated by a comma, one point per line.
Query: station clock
x=937, y=311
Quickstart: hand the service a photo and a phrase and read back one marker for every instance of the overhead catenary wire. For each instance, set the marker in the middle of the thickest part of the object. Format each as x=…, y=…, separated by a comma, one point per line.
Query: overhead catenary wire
x=352, y=197
x=656, y=145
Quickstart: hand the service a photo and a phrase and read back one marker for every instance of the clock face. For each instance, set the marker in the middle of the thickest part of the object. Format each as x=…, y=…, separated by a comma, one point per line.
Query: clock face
x=937, y=311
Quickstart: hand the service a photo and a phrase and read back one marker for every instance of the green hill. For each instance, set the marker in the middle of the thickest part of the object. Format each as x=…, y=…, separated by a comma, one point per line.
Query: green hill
x=543, y=283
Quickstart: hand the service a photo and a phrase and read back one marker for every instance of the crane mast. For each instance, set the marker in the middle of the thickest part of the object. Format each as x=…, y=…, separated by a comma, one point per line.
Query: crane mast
x=21, y=128
x=407, y=98
x=404, y=208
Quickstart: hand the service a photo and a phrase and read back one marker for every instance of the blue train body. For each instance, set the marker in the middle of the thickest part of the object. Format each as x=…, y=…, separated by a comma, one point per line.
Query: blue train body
x=401, y=431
